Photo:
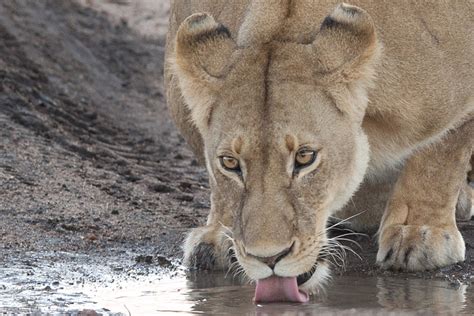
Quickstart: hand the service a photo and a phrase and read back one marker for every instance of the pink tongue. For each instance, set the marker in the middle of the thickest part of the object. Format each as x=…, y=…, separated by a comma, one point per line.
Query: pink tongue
x=278, y=289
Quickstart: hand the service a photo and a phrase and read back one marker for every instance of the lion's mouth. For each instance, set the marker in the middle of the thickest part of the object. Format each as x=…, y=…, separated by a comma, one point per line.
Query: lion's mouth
x=303, y=278
x=283, y=289
x=279, y=289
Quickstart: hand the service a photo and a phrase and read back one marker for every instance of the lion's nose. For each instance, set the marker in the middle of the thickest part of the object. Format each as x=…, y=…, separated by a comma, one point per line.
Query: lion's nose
x=272, y=260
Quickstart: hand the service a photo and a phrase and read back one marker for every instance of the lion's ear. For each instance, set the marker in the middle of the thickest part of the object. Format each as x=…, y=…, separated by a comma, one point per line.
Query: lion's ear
x=346, y=45
x=345, y=54
x=203, y=51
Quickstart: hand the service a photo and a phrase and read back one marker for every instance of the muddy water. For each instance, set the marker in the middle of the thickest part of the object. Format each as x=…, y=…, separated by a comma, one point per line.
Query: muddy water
x=212, y=293
x=63, y=282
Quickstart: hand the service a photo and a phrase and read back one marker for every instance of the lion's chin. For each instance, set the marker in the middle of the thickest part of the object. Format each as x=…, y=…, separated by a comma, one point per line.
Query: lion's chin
x=317, y=279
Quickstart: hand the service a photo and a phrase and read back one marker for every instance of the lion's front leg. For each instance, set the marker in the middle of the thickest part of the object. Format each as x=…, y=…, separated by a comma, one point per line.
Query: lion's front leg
x=208, y=247
x=418, y=230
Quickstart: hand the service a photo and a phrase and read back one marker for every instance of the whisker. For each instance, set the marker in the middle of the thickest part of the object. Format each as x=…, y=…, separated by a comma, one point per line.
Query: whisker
x=351, y=250
x=352, y=233
x=349, y=240
x=344, y=220
x=337, y=258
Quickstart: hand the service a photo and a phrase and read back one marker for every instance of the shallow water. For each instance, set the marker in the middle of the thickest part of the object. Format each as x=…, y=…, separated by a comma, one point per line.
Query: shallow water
x=63, y=282
x=212, y=293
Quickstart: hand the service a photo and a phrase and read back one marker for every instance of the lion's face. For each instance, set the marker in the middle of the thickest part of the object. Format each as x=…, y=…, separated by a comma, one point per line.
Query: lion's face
x=281, y=172
x=281, y=124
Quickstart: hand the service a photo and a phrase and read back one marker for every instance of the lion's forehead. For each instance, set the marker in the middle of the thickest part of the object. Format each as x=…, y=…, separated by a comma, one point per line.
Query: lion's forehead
x=270, y=95
x=272, y=110
x=273, y=82
x=274, y=62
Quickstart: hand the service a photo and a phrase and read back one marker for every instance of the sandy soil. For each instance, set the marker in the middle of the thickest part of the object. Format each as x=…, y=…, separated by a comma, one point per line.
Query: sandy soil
x=88, y=154
x=89, y=159
x=147, y=17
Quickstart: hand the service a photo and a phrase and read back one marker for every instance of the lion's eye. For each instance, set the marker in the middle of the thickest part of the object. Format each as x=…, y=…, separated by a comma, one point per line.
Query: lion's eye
x=230, y=163
x=304, y=158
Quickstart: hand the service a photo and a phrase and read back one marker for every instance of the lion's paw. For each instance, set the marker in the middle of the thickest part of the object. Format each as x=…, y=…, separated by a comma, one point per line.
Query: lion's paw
x=417, y=248
x=205, y=248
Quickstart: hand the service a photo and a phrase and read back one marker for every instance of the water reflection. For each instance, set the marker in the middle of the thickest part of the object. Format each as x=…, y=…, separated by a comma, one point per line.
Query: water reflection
x=212, y=293
x=419, y=294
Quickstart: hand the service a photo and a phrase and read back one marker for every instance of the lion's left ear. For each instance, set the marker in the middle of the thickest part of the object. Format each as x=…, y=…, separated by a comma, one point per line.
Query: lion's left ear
x=346, y=52
x=202, y=59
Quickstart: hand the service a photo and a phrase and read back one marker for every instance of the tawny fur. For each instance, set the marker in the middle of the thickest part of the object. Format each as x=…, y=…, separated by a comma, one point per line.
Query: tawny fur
x=384, y=93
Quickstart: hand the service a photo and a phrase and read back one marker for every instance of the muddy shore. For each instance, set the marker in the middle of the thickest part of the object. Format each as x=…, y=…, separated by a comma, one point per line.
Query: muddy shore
x=92, y=170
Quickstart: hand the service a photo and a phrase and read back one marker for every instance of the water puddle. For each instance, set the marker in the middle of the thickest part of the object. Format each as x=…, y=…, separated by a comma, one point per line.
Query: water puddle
x=212, y=294
x=75, y=283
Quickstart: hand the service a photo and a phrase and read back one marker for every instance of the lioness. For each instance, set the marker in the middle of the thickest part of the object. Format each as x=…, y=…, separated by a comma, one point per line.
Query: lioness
x=292, y=104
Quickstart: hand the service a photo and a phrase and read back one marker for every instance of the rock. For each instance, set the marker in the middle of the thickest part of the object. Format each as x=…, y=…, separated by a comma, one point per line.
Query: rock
x=163, y=261
x=88, y=312
x=144, y=259
x=160, y=188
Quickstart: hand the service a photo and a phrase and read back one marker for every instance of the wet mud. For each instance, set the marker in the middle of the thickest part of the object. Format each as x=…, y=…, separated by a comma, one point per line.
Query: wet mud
x=97, y=188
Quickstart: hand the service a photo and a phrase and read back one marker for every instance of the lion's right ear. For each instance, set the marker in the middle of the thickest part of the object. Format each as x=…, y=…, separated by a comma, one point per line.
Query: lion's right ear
x=203, y=51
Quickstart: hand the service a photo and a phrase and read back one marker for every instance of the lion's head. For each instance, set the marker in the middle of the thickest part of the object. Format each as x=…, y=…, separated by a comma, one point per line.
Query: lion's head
x=281, y=124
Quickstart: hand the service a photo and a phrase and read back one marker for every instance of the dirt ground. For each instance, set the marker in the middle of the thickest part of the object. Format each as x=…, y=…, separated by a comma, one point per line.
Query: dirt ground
x=90, y=162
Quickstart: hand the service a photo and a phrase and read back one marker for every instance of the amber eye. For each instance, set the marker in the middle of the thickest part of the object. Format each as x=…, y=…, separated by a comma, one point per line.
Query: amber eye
x=230, y=163
x=304, y=157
